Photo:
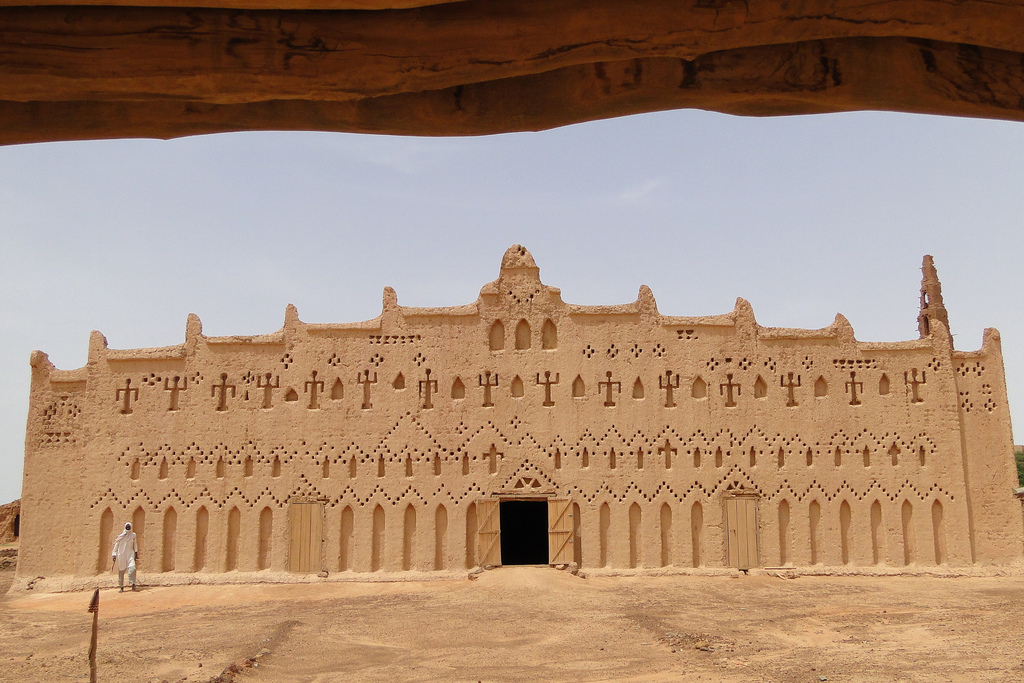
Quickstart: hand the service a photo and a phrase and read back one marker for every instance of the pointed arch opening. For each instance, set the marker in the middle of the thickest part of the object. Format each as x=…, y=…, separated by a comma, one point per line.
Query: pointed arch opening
x=699, y=388
x=471, y=532
x=577, y=535
x=202, y=532
x=938, y=533
x=844, y=531
x=345, y=542
x=760, y=388
x=377, y=540
x=877, y=533
x=549, y=335
x=907, y=518
x=522, y=335
x=496, y=337
x=234, y=529
x=666, y=535
x=696, y=531
x=440, y=538
x=106, y=540
x=638, y=389
x=265, y=539
x=170, y=530
x=605, y=523
x=139, y=527
x=814, y=514
x=783, y=533
x=409, y=538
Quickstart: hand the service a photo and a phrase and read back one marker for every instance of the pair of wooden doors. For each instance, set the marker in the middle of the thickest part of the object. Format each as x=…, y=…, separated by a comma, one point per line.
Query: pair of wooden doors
x=306, y=536
x=741, y=526
x=560, y=531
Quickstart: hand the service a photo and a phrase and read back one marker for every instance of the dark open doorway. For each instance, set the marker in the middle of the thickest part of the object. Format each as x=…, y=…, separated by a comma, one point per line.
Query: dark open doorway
x=524, y=531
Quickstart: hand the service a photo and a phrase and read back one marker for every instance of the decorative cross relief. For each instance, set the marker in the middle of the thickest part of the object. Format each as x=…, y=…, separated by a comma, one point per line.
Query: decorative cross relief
x=726, y=388
x=668, y=452
x=313, y=387
x=222, y=404
x=129, y=393
x=175, y=389
x=914, y=383
x=547, y=386
x=668, y=386
x=365, y=380
x=609, y=402
x=426, y=387
x=492, y=458
x=485, y=382
x=790, y=386
x=268, y=387
x=852, y=387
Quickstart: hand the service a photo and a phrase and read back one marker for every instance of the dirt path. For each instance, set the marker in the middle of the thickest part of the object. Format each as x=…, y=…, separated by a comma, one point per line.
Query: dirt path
x=534, y=624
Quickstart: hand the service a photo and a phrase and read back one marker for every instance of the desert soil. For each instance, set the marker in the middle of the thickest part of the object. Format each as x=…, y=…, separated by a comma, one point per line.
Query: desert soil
x=527, y=623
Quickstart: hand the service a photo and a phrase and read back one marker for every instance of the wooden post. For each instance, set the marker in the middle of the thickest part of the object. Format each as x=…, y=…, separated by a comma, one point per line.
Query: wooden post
x=94, y=607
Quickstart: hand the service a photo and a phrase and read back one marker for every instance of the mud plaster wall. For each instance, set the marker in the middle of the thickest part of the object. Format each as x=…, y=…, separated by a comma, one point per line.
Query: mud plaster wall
x=10, y=521
x=855, y=453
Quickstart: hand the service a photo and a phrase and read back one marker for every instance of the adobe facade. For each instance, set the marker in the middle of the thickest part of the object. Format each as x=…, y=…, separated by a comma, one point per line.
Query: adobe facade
x=640, y=439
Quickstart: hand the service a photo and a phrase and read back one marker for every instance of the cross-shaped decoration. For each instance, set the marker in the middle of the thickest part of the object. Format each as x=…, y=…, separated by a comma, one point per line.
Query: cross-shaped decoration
x=313, y=387
x=790, y=386
x=914, y=383
x=174, y=389
x=264, y=382
x=426, y=386
x=609, y=385
x=851, y=386
x=128, y=392
x=668, y=451
x=222, y=404
x=547, y=386
x=726, y=388
x=485, y=382
x=668, y=386
x=492, y=458
x=365, y=380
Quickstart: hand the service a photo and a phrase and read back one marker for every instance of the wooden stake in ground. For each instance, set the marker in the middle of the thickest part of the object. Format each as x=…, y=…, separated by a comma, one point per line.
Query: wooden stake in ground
x=94, y=607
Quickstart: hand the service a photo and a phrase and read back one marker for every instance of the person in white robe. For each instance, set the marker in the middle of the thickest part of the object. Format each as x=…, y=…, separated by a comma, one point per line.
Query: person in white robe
x=124, y=555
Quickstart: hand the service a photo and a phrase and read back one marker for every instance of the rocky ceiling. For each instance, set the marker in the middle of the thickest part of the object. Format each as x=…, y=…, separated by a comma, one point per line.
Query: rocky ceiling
x=149, y=68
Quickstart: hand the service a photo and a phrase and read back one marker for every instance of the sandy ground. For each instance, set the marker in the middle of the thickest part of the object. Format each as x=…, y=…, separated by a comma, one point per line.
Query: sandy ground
x=516, y=624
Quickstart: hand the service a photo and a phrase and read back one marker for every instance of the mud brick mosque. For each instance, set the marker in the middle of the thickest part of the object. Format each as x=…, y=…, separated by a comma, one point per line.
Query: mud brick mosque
x=520, y=429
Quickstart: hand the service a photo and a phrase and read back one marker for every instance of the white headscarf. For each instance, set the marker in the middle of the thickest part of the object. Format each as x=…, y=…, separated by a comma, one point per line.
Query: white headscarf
x=125, y=548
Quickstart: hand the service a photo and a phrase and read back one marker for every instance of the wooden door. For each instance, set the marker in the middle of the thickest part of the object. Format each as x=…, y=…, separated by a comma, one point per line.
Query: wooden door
x=560, y=529
x=489, y=541
x=306, y=536
x=741, y=541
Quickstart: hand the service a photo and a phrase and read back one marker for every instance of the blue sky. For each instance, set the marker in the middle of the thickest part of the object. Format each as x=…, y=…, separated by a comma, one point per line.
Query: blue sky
x=803, y=216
